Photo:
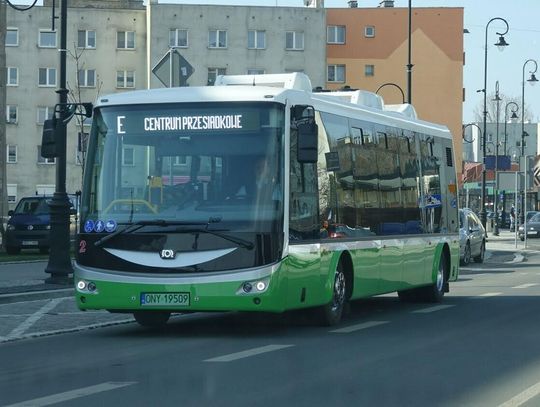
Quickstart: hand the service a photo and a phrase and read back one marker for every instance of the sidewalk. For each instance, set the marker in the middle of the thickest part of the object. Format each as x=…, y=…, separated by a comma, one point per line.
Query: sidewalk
x=506, y=241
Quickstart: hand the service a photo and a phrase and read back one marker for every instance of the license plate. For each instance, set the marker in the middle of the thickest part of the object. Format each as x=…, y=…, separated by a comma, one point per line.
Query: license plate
x=29, y=243
x=164, y=299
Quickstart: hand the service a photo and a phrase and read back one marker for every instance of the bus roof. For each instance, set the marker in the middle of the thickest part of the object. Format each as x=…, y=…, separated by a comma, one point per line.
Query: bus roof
x=284, y=88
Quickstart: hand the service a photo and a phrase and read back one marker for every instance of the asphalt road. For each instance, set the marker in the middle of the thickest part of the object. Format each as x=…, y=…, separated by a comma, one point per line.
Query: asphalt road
x=478, y=348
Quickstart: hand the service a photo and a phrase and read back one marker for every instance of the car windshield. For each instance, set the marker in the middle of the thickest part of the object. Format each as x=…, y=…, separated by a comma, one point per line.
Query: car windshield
x=32, y=206
x=535, y=218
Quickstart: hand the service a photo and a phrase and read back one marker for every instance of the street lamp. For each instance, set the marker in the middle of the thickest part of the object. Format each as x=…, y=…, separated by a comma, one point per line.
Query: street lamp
x=409, y=64
x=496, y=197
x=59, y=265
x=500, y=44
x=463, y=132
x=514, y=116
x=391, y=84
x=532, y=80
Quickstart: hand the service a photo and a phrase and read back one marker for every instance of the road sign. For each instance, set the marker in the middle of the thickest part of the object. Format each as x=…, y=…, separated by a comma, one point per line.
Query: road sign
x=173, y=69
x=536, y=172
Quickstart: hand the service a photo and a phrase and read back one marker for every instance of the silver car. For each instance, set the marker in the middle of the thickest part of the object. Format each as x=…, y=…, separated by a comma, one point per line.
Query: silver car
x=472, y=237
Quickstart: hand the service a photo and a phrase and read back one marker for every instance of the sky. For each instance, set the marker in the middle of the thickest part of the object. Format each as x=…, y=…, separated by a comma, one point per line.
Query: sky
x=505, y=67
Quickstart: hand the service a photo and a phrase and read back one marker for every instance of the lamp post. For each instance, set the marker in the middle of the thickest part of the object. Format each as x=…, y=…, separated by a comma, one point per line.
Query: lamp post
x=409, y=64
x=59, y=265
x=514, y=116
x=496, y=191
x=391, y=84
x=532, y=80
x=501, y=43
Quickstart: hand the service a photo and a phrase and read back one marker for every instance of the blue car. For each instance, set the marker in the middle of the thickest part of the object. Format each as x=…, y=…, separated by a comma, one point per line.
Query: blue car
x=29, y=225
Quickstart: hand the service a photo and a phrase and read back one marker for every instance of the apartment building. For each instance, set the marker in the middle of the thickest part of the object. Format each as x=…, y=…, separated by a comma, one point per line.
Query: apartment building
x=106, y=43
x=113, y=46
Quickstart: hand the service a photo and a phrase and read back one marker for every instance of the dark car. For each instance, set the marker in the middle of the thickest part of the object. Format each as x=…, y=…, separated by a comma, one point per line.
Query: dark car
x=29, y=224
x=533, y=227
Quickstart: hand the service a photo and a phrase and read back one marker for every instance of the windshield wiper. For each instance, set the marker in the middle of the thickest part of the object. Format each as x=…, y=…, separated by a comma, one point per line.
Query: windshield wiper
x=239, y=241
x=142, y=223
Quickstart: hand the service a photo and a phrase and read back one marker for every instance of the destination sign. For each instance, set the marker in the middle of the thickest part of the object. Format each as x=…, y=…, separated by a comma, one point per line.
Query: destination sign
x=214, y=122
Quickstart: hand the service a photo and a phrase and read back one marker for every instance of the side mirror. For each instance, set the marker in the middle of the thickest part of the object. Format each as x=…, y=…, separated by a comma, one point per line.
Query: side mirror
x=48, y=139
x=308, y=146
x=10, y=212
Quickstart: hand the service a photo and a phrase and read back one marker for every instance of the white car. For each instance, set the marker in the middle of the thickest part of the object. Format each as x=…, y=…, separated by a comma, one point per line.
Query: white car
x=472, y=237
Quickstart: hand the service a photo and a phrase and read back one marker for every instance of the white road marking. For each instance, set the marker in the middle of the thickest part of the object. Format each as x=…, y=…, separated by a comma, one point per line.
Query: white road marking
x=518, y=258
x=358, y=327
x=523, y=397
x=432, y=309
x=36, y=316
x=247, y=353
x=72, y=394
x=479, y=270
x=528, y=285
x=486, y=295
x=67, y=330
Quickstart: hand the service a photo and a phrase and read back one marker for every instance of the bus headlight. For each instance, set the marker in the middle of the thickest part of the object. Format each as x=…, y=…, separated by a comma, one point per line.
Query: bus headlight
x=87, y=287
x=253, y=287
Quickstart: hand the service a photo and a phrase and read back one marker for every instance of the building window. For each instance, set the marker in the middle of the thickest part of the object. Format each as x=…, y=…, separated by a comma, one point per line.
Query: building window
x=128, y=156
x=11, y=154
x=213, y=73
x=12, y=193
x=47, y=39
x=255, y=71
x=294, y=40
x=178, y=38
x=47, y=77
x=125, y=40
x=42, y=160
x=86, y=39
x=217, y=39
x=336, y=73
x=12, y=37
x=256, y=39
x=335, y=34
x=44, y=113
x=125, y=79
x=11, y=114
x=369, y=70
x=87, y=78
x=12, y=76
x=369, y=31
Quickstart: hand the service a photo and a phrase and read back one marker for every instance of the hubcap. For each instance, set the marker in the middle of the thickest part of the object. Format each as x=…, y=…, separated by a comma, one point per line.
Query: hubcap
x=339, y=290
x=440, y=278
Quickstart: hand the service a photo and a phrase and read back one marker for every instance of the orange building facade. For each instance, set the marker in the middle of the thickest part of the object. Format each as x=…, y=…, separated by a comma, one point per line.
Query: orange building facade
x=368, y=47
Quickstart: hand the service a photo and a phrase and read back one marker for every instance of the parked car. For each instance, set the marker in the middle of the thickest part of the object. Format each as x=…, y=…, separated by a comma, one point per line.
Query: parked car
x=30, y=222
x=533, y=227
x=472, y=237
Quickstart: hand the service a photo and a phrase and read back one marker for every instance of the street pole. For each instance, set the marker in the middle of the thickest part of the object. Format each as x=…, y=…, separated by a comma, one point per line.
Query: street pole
x=409, y=64
x=501, y=43
x=59, y=266
x=496, y=197
x=531, y=80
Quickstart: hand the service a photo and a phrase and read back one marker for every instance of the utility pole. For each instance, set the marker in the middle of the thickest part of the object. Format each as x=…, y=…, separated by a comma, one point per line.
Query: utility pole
x=3, y=96
x=59, y=265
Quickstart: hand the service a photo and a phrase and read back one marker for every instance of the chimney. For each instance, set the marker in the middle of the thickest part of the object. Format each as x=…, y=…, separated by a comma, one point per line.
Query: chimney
x=386, y=3
x=353, y=3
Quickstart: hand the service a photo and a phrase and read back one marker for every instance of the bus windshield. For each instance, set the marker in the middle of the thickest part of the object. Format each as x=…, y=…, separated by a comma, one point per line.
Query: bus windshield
x=198, y=162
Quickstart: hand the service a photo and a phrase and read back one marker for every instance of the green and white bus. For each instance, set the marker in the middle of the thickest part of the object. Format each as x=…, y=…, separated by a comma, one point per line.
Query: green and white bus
x=258, y=194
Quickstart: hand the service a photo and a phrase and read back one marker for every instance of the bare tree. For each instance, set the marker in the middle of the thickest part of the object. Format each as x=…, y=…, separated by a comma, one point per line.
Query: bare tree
x=75, y=96
x=491, y=108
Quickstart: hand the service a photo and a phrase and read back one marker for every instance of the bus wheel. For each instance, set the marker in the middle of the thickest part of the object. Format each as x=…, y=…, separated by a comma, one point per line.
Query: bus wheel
x=435, y=291
x=152, y=319
x=330, y=314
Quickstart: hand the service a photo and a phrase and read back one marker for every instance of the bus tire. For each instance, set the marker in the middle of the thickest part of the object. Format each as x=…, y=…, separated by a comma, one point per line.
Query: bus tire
x=435, y=291
x=152, y=319
x=330, y=314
